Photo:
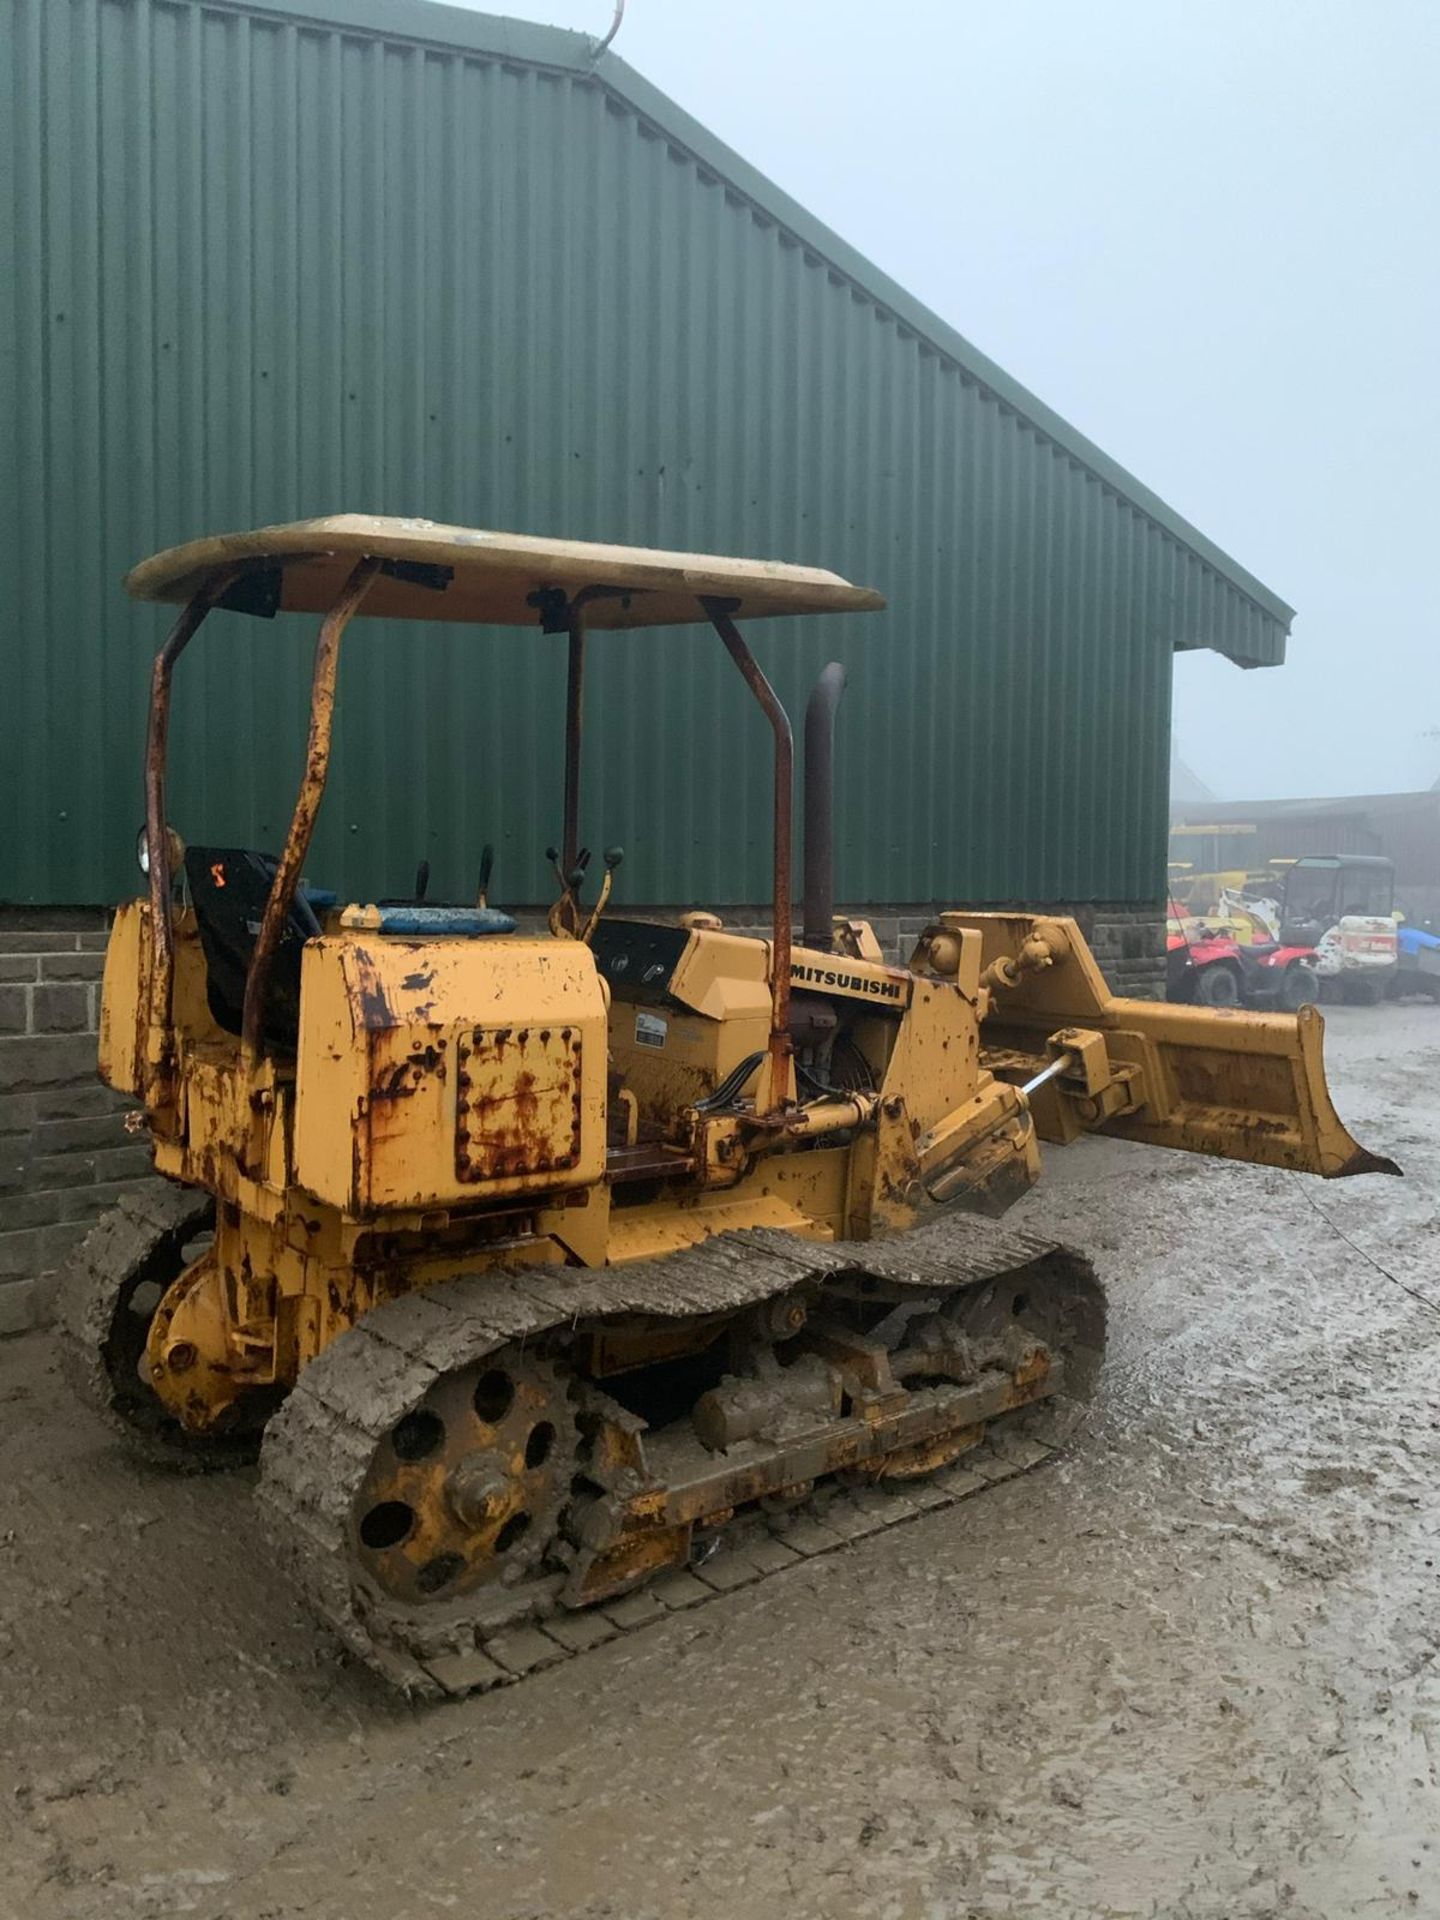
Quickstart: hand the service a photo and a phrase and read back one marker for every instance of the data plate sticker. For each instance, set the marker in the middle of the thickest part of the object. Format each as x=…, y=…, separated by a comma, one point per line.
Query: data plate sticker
x=650, y=1029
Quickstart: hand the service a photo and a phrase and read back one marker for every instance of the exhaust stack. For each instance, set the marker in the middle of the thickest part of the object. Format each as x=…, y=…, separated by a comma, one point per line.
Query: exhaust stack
x=818, y=930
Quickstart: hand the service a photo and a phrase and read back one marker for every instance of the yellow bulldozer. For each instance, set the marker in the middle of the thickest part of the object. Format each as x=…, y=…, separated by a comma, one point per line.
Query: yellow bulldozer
x=563, y=1277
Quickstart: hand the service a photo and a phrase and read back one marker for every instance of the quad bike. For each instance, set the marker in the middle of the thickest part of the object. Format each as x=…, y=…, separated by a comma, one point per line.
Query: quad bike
x=1211, y=969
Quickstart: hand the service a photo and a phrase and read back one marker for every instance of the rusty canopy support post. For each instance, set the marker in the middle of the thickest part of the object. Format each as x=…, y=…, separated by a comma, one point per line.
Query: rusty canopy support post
x=307, y=804
x=574, y=621
x=157, y=826
x=719, y=612
x=574, y=726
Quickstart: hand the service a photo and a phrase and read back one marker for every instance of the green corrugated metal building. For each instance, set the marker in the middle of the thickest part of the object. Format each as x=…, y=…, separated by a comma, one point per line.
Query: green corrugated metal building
x=275, y=260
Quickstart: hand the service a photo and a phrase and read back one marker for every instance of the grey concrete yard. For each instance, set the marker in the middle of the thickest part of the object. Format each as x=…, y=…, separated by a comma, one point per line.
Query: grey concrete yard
x=1188, y=1671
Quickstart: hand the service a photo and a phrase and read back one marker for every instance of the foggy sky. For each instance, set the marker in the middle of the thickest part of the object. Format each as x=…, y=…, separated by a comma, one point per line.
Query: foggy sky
x=1206, y=234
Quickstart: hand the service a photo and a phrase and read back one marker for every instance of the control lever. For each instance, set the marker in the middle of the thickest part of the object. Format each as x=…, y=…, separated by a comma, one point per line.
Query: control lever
x=422, y=881
x=613, y=857
x=487, y=867
x=566, y=918
x=572, y=881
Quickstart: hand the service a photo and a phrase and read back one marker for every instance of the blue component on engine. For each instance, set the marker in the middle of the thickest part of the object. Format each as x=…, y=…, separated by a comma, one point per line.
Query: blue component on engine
x=435, y=921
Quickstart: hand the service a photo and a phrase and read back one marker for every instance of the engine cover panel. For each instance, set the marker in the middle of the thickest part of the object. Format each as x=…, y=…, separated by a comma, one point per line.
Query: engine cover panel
x=441, y=1072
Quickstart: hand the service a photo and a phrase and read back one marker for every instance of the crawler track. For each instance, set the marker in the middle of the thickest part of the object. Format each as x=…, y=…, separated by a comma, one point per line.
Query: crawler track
x=321, y=1446
x=103, y=1310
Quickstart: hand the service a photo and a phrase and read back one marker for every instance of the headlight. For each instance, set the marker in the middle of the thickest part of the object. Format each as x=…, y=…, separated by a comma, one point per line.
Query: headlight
x=177, y=852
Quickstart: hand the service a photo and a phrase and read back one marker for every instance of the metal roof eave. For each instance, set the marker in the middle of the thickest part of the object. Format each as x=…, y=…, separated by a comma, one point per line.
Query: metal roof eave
x=923, y=321
x=1226, y=813
x=431, y=23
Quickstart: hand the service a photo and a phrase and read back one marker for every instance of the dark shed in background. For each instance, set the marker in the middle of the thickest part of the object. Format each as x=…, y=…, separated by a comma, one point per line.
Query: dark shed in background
x=1405, y=827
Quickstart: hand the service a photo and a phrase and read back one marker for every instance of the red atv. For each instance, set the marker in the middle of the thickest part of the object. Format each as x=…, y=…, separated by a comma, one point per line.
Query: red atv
x=1213, y=970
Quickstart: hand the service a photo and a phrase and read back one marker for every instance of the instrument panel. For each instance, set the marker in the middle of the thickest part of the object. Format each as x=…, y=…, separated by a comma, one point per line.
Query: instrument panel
x=638, y=958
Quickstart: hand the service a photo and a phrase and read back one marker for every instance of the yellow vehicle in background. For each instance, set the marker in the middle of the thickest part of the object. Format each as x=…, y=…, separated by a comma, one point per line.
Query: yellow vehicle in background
x=566, y=1275
x=1206, y=862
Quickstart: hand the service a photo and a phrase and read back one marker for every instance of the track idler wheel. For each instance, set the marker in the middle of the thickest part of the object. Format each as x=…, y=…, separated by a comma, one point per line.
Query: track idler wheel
x=1055, y=1303
x=107, y=1300
x=466, y=1488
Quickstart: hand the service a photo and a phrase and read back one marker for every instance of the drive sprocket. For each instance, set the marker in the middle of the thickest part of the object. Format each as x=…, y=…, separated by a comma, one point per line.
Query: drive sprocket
x=466, y=1487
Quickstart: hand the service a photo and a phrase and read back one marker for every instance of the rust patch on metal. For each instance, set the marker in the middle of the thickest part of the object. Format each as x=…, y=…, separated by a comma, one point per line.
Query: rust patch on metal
x=517, y=1108
x=928, y=1456
x=403, y=1080
x=371, y=1002
x=642, y=1551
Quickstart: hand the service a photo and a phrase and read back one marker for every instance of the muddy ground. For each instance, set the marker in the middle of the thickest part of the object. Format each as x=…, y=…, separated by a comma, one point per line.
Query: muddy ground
x=1188, y=1671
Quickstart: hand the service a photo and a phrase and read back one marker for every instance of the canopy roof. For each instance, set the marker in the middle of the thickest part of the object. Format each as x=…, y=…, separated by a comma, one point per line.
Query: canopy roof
x=492, y=579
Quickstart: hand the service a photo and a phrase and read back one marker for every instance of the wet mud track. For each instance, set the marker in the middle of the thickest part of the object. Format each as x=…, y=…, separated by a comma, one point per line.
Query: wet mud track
x=1190, y=1670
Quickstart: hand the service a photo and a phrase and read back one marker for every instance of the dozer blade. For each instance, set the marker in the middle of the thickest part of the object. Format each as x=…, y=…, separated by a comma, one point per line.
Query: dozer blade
x=1247, y=1086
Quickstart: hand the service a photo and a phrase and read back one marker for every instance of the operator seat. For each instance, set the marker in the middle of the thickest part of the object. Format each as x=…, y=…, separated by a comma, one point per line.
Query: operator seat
x=229, y=887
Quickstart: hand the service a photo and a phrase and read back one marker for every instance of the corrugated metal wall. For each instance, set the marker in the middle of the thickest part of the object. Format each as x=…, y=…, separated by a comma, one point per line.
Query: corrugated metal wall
x=268, y=269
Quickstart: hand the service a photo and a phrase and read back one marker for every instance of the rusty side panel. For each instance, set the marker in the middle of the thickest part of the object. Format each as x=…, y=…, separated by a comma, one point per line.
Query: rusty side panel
x=517, y=1105
x=406, y=1100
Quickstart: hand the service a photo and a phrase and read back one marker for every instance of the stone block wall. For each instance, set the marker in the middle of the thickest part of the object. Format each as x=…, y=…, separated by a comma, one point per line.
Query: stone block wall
x=1129, y=943
x=65, y=1155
